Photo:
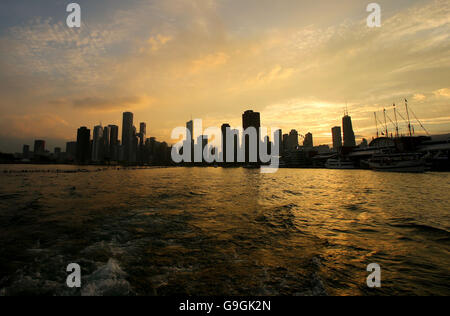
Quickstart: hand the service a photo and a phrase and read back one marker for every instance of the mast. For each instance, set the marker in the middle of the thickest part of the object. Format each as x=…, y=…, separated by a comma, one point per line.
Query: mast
x=385, y=123
x=396, y=122
x=376, y=122
x=409, y=120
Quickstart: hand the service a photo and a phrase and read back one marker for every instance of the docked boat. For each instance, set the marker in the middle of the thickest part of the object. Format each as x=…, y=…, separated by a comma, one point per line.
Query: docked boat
x=334, y=163
x=397, y=163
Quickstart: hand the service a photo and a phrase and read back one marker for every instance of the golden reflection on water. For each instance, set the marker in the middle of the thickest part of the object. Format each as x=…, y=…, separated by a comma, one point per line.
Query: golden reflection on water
x=204, y=231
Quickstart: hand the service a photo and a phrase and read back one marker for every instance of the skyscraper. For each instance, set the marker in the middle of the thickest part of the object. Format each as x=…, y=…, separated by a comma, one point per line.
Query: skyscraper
x=225, y=128
x=39, y=147
x=97, y=144
x=83, y=145
x=190, y=142
x=337, y=138
x=202, y=141
x=71, y=150
x=133, y=145
x=349, y=135
x=279, y=137
x=113, y=142
x=285, y=142
x=236, y=145
x=26, y=151
x=141, y=142
x=292, y=140
x=308, y=142
x=142, y=133
x=251, y=119
x=106, y=143
x=127, y=135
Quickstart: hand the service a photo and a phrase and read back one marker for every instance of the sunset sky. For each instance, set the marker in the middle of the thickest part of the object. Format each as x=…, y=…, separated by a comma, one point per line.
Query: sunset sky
x=297, y=62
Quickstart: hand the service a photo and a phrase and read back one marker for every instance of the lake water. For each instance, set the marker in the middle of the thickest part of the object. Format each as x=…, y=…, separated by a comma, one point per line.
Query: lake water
x=214, y=231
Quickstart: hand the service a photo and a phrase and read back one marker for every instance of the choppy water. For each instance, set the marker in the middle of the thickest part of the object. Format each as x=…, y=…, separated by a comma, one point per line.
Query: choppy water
x=207, y=231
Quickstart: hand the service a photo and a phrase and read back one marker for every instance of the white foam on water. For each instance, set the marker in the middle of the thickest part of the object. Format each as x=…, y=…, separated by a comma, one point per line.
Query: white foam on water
x=108, y=280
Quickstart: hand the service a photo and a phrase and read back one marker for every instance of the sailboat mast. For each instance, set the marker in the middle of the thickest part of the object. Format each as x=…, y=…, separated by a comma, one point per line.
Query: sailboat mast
x=396, y=122
x=409, y=120
x=385, y=123
x=376, y=123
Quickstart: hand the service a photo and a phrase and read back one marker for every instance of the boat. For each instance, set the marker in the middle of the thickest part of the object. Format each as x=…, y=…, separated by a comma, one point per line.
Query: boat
x=397, y=163
x=334, y=163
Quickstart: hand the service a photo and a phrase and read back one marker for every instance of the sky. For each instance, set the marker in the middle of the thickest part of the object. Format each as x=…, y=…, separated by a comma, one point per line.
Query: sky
x=299, y=63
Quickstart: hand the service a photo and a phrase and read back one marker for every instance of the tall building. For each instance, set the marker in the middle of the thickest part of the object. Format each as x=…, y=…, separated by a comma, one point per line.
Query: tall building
x=267, y=144
x=114, y=142
x=337, y=138
x=83, y=152
x=236, y=145
x=127, y=135
x=202, y=141
x=251, y=119
x=285, y=142
x=97, y=144
x=224, y=128
x=308, y=142
x=106, y=143
x=349, y=135
x=292, y=141
x=279, y=137
x=39, y=147
x=71, y=150
x=190, y=142
x=190, y=128
x=26, y=151
x=142, y=132
x=141, y=138
x=133, y=146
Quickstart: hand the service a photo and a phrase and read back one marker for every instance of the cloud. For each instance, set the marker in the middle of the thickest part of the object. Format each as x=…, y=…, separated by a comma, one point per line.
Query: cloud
x=210, y=60
x=158, y=41
x=34, y=126
x=443, y=92
x=419, y=97
x=100, y=104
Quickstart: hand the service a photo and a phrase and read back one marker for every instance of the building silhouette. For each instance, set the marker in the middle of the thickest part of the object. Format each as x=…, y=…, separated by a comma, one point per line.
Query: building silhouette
x=97, y=144
x=39, y=147
x=127, y=136
x=113, y=142
x=292, y=140
x=202, y=143
x=279, y=135
x=71, y=150
x=308, y=141
x=337, y=138
x=225, y=128
x=142, y=132
x=285, y=142
x=349, y=135
x=26, y=151
x=83, y=152
x=251, y=119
